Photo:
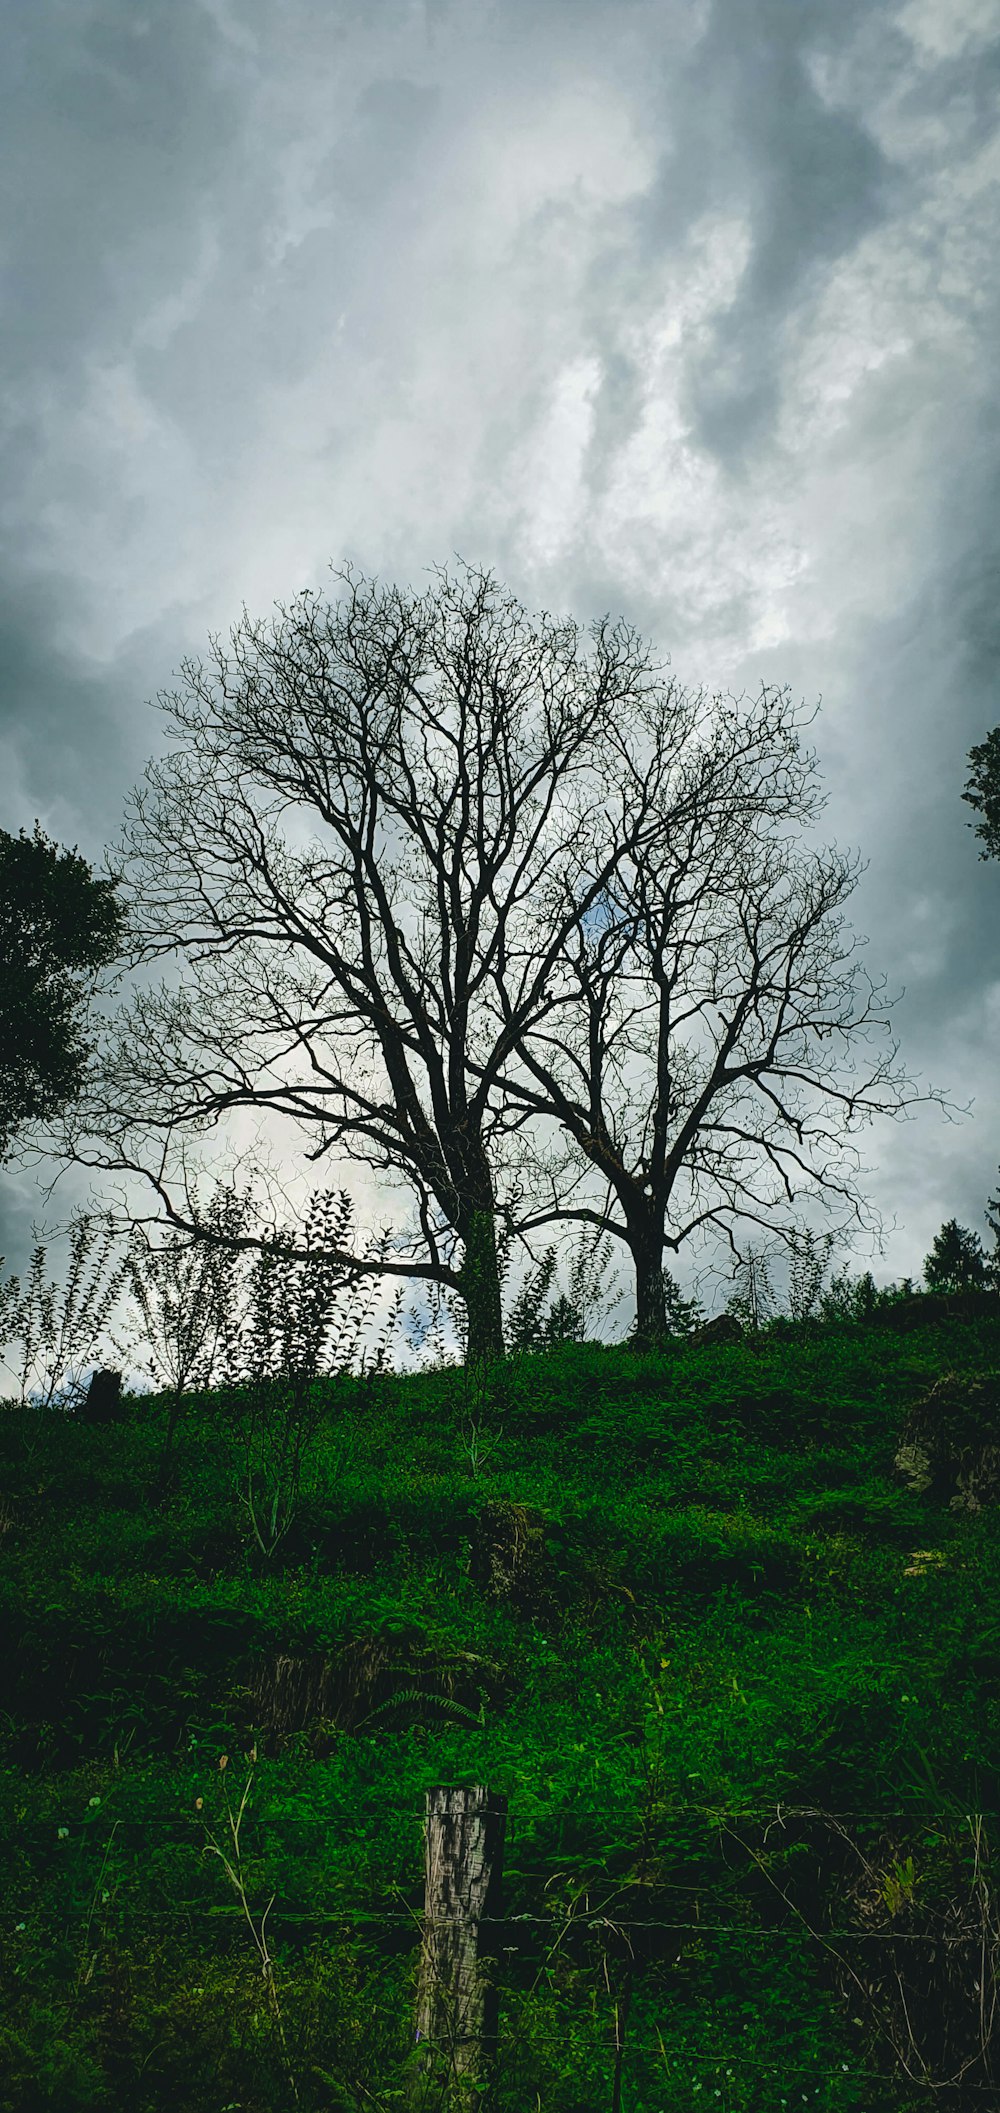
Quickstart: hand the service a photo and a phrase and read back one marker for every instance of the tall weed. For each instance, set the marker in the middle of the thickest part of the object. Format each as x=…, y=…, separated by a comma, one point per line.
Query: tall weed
x=280, y=1350
x=184, y=1294
x=60, y=1329
x=571, y=1316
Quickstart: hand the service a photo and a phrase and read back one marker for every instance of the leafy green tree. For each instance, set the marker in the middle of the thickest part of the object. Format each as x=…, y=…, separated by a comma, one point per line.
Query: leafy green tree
x=849, y=1298
x=956, y=1261
x=58, y=925
x=985, y=796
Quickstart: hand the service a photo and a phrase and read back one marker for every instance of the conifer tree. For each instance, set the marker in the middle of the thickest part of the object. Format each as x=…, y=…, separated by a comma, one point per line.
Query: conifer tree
x=956, y=1261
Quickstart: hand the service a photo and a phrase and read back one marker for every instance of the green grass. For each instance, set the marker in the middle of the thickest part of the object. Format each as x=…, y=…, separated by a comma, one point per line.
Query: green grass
x=722, y=1624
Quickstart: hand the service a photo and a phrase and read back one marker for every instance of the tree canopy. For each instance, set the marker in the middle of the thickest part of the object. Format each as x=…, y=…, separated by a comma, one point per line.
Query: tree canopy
x=985, y=794
x=57, y=926
x=495, y=919
x=438, y=754
x=957, y=1261
x=698, y=1052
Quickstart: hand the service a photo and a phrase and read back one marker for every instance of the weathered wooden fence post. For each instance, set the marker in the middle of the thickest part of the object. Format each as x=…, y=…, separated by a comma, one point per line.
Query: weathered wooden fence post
x=457, y=2000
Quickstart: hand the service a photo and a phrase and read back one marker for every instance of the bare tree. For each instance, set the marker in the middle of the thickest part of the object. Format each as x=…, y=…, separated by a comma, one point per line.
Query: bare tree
x=689, y=1052
x=441, y=750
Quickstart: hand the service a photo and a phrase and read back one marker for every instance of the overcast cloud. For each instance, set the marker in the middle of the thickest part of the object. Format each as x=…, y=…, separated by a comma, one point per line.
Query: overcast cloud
x=687, y=312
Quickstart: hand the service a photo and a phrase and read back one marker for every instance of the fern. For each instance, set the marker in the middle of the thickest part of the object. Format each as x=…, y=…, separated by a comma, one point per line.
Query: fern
x=416, y=1694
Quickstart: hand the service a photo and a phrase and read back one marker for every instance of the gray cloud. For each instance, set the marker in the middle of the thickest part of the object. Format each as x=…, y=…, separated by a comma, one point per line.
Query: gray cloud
x=814, y=182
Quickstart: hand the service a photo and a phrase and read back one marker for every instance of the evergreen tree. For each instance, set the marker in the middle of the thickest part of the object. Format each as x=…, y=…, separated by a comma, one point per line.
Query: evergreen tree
x=956, y=1261
x=569, y=1316
x=683, y=1315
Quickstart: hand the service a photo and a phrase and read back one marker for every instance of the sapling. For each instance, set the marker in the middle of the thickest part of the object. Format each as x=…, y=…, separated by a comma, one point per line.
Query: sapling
x=524, y=1324
x=571, y=1316
x=277, y=1355
x=754, y=1299
x=849, y=1298
x=58, y=1328
x=683, y=1315
x=810, y=1256
x=185, y=1294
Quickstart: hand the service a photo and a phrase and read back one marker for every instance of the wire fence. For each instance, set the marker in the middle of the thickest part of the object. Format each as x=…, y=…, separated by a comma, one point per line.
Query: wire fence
x=707, y=2065
x=776, y=1816
x=197, y=1912
x=776, y=2066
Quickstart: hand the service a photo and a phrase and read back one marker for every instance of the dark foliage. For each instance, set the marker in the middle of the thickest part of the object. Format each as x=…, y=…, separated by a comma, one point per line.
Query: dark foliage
x=57, y=925
x=985, y=795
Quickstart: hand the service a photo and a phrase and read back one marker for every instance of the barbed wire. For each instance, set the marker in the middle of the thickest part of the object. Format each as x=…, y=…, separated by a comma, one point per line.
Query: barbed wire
x=579, y=1922
x=540, y=1811
x=557, y=2036
x=773, y=2066
x=777, y=2067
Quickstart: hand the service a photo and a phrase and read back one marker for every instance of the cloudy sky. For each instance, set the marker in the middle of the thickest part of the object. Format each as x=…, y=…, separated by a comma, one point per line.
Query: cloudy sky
x=686, y=310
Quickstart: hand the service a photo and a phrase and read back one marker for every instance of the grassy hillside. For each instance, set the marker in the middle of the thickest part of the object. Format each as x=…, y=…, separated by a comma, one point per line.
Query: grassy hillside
x=737, y=1680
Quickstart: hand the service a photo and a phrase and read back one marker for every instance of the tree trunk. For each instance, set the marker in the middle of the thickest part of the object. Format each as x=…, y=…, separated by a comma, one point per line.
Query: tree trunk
x=650, y=1300
x=480, y=1282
